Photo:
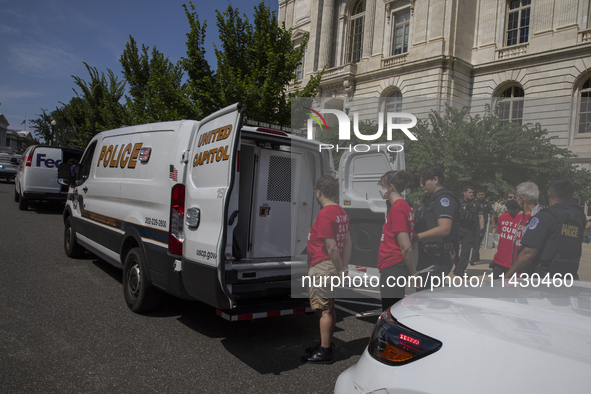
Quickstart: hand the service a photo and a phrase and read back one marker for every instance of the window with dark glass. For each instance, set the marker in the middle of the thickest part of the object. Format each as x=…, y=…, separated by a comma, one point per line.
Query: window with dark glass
x=300, y=68
x=401, y=29
x=585, y=108
x=356, y=32
x=518, y=19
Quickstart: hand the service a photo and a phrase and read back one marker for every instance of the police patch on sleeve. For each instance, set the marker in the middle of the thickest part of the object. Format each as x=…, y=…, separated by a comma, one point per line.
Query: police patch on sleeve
x=444, y=202
x=534, y=223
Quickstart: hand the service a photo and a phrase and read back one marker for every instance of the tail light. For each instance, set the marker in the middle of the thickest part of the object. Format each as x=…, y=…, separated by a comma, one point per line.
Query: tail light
x=29, y=160
x=177, y=213
x=394, y=344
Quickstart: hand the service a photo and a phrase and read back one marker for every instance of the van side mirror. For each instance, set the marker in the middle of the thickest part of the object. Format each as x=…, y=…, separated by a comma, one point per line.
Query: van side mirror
x=64, y=176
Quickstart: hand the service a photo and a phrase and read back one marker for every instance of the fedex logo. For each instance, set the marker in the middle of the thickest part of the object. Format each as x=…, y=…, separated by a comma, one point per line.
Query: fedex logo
x=47, y=163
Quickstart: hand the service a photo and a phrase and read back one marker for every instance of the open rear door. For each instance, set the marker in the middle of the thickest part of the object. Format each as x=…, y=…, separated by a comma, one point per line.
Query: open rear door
x=359, y=173
x=211, y=177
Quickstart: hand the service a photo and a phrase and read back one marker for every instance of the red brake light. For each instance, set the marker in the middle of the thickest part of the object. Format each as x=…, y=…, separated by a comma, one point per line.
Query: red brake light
x=271, y=131
x=410, y=339
x=395, y=344
x=177, y=213
x=29, y=160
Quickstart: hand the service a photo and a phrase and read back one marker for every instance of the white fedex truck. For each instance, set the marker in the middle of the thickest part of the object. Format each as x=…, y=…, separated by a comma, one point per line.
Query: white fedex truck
x=212, y=210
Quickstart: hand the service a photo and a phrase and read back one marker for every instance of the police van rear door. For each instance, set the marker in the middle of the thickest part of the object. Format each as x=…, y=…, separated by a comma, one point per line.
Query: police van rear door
x=359, y=174
x=211, y=177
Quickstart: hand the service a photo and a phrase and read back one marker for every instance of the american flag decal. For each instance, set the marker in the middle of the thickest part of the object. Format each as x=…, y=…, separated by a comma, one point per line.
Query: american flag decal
x=173, y=173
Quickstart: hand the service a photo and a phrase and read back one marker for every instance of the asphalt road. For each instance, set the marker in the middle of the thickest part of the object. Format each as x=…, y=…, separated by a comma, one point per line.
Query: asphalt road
x=65, y=327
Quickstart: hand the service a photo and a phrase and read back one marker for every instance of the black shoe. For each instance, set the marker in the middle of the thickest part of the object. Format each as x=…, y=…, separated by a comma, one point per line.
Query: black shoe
x=322, y=355
x=471, y=263
x=312, y=349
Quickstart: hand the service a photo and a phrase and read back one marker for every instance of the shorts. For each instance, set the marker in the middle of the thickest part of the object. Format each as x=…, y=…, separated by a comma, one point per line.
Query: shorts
x=321, y=296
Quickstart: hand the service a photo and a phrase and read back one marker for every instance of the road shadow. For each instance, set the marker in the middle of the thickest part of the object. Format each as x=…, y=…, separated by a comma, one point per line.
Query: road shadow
x=270, y=345
x=46, y=208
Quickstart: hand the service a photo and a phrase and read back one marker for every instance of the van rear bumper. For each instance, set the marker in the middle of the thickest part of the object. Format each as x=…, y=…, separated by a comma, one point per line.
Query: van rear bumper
x=45, y=196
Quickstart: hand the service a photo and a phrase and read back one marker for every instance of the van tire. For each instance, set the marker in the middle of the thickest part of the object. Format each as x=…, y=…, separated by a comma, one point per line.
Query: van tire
x=71, y=246
x=139, y=293
x=16, y=195
x=23, y=203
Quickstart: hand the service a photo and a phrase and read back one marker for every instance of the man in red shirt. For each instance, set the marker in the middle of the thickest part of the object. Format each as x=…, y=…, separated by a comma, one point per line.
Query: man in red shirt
x=329, y=251
x=507, y=228
x=396, y=255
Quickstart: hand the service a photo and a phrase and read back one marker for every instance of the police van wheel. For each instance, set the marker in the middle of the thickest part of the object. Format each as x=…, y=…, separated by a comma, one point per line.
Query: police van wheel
x=71, y=245
x=139, y=293
x=23, y=203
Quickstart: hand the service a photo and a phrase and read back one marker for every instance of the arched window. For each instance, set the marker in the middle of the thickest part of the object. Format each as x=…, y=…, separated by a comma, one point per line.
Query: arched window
x=518, y=12
x=510, y=105
x=585, y=108
x=393, y=103
x=356, y=32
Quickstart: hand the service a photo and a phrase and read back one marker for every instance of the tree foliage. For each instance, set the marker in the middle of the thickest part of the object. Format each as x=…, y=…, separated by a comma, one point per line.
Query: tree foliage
x=255, y=63
x=155, y=86
x=61, y=134
x=96, y=107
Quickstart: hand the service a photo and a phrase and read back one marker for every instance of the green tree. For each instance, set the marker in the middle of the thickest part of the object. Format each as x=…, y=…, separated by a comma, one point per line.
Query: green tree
x=61, y=134
x=255, y=65
x=96, y=108
x=156, y=90
x=482, y=152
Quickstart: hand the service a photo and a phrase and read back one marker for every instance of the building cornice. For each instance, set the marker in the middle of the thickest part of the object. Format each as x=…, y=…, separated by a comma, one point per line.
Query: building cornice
x=545, y=57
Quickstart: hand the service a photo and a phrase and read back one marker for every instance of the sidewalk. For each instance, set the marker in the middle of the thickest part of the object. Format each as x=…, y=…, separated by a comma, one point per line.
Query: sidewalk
x=486, y=257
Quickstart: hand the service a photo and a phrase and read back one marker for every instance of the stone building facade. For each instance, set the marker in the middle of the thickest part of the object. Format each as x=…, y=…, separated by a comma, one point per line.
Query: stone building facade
x=535, y=54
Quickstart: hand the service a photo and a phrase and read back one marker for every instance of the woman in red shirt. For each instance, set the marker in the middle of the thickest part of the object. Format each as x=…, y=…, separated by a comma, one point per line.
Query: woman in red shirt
x=396, y=256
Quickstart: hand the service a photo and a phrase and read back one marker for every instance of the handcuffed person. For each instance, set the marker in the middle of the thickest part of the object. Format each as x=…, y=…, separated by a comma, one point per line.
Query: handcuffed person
x=329, y=251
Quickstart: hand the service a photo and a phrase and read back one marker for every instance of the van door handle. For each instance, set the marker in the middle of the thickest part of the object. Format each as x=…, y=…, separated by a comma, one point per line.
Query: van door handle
x=85, y=189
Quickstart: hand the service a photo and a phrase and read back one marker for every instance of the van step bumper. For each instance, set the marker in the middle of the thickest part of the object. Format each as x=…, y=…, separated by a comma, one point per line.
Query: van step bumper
x=290, y=307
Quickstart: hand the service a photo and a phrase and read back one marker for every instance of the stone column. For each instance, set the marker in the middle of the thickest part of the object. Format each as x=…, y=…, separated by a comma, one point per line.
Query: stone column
x=368, y=27
x=326, y=33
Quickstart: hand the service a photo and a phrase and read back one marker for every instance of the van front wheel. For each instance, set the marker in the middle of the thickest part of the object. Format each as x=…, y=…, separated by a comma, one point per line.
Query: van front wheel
x=139, y=293
x=71, y=246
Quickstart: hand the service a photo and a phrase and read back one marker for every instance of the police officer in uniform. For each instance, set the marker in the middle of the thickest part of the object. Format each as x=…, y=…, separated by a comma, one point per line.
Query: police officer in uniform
x=436, y=222
x=471, y=221
x=487, y=210
x=554, y=237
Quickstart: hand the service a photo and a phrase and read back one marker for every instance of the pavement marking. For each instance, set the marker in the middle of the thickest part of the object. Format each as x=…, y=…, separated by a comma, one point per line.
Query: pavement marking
x=359, y=302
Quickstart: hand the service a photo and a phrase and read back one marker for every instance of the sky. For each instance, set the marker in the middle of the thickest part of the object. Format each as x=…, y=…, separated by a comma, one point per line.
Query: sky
x=43, y=43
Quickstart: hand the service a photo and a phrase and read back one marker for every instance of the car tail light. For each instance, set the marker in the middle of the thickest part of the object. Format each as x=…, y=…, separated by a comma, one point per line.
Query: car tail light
x=394, y=344
x=29, y=160
x=177, y=213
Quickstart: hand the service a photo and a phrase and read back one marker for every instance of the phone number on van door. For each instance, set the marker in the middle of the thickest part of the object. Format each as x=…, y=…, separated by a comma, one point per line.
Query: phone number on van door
x=156, y=222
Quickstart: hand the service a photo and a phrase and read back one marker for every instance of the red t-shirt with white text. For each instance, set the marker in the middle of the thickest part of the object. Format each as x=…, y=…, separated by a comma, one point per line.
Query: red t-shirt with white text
x=507, y=228
x=511, y=231
x=400, y=219
x=331, y=223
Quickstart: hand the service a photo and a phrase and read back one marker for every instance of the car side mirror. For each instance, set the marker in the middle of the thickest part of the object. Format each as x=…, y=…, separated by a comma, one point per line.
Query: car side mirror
x=14, y=161
x=64, y=176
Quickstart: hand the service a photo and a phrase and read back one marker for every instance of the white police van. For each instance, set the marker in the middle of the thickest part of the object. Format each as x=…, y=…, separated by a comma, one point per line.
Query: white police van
x=212, y=210
x=36, y=177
